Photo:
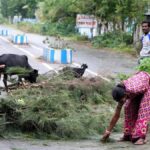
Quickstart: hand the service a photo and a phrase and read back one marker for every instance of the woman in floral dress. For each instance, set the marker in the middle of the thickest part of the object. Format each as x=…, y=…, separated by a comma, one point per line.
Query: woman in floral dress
x=134, y=94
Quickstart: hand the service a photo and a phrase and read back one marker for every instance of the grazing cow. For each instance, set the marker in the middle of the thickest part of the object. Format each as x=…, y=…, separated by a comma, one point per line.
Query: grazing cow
x=13, y=60
x=77, y=72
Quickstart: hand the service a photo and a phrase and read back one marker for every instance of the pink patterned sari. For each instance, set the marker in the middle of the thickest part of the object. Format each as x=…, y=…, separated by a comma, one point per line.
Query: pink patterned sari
x=137, y=106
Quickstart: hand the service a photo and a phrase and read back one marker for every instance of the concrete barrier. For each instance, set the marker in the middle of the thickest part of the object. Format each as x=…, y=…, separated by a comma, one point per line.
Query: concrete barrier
x=4, y=32
x=63, y=56
x=19, y=39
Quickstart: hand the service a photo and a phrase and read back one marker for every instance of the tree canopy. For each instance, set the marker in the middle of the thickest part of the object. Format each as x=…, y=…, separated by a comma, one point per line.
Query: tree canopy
x=25, y=8
x=116, y=11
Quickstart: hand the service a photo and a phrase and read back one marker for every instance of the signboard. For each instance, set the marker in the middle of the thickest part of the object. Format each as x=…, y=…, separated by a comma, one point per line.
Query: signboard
x=86, y=21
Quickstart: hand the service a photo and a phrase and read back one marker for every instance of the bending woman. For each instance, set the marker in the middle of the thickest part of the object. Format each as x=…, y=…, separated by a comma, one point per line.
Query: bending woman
x=134, y=94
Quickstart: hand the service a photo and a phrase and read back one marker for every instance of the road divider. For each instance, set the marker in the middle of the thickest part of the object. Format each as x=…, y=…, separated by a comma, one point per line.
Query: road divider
x=19, y=39
x=4, y=32
x=62, y=56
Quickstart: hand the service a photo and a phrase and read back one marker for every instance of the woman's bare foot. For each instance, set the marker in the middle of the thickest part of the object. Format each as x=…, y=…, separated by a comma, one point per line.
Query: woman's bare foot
x=140, y=141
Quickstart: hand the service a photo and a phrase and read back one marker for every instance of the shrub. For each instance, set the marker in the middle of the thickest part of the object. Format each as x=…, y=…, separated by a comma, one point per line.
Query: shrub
x=122, y=76
x=30, y=27
x=113, y=39
x=144, y=65
x=82, y=37
x=63, y=27
x=3, y=20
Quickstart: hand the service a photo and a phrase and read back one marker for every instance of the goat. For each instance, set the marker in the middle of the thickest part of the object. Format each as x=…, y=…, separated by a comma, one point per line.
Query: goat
x=77, y=72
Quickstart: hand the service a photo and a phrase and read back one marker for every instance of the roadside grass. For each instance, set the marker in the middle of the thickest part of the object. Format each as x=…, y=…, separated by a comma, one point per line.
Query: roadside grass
x=60, y=108
x=116, y=40
x=30, y=27
x=126, y=49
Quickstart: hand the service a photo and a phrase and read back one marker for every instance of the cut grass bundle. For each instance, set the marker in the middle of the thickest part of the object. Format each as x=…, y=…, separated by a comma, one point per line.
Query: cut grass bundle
x=62, y=108
x=17, y=71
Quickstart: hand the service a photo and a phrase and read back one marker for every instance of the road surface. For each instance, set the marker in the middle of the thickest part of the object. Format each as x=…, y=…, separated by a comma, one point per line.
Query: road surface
x=93, y=144
x=100, y=62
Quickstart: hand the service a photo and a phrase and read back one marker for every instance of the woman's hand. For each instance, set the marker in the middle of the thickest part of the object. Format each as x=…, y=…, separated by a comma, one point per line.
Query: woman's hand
x=113, y=122
x=105, y=136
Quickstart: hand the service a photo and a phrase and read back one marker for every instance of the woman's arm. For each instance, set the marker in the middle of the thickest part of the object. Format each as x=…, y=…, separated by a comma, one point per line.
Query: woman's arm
x=112, y=122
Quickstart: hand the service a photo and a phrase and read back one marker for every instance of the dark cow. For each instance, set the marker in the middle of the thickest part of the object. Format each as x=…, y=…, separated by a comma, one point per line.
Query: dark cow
x=13, y=60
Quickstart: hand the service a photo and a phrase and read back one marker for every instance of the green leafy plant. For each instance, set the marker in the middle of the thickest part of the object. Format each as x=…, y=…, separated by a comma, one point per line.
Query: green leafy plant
x=122, y=76
x=144, y=65
x=113, y=40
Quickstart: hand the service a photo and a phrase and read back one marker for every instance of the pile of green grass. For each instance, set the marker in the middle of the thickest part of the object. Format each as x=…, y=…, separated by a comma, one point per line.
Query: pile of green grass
x=17, y=70
x=60, y=108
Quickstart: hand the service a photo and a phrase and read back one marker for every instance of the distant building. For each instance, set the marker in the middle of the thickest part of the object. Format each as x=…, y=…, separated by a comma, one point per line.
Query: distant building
x=30, y=20
x=87, y=25
x=17, y=19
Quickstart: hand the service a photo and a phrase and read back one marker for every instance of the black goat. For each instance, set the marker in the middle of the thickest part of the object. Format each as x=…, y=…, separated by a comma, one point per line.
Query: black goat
x=77, y=72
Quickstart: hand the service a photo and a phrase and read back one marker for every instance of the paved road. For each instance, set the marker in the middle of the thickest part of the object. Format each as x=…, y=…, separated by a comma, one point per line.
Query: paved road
x=102, y=62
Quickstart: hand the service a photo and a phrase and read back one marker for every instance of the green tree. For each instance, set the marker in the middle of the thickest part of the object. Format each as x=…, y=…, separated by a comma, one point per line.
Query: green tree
x=4, y=8
x=25, y=8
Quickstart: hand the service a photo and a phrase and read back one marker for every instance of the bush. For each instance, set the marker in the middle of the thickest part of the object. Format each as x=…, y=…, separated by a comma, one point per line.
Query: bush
x=3, y=20
x=113, y=39
x=30, y=27
x=144, y=65
x=82, y=38
x=63, y=27
x=122, y=77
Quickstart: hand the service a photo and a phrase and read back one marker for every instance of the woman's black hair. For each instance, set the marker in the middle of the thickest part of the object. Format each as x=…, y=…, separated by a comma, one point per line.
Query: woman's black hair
x=118, y=92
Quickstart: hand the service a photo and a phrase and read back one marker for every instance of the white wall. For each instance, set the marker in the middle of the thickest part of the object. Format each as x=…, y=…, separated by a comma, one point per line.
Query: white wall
x=88, y=32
